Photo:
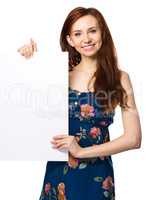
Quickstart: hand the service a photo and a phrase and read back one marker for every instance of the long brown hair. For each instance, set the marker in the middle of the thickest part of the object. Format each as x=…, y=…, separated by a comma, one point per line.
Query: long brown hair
x=107, y=83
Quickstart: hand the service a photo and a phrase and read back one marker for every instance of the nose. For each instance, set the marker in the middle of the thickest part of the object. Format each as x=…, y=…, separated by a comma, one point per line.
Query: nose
x=86, y=38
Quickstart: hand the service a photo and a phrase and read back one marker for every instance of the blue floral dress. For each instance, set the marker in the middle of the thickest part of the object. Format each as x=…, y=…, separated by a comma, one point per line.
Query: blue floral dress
x=86, y=178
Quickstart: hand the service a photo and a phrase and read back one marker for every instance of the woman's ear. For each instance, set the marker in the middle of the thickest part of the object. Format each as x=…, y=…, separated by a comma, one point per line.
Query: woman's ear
x=69, y=40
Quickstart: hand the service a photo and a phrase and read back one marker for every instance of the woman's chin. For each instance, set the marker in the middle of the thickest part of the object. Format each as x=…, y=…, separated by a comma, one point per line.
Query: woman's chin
x=89, y=54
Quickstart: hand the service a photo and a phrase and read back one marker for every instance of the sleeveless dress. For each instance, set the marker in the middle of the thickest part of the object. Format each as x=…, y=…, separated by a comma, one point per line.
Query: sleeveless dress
x=86, y=178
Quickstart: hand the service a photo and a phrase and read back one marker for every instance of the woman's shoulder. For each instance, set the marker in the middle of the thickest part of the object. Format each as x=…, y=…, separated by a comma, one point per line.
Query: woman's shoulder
x=125, y=80
x=124, y=74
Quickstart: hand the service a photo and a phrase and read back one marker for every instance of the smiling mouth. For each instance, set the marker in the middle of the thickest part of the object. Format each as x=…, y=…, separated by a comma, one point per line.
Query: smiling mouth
x=90, y=45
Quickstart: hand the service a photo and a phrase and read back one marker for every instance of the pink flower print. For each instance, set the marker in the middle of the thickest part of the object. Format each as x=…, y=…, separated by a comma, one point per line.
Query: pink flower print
x=94, y=132
x=107, y=183
x=47, y=188
x=102, y=157
x=61, y=191
x=87, y=110
x=72, y=161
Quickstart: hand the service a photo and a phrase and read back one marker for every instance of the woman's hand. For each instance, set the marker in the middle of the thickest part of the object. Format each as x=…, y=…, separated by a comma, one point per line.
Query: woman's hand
x=28, y=49
x=67, y=142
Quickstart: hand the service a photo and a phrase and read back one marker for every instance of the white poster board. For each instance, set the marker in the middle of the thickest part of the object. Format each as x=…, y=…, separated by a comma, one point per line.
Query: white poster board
x=34, y=92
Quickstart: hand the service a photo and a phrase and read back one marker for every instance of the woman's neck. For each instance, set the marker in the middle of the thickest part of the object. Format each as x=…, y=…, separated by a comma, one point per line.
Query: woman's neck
x=87, y=65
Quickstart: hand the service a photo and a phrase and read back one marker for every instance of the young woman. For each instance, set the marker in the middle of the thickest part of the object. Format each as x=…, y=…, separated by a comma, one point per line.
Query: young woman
x=96, y=86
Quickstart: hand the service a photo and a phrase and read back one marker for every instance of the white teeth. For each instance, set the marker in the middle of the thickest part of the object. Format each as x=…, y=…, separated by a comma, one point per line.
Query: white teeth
x=89, y=47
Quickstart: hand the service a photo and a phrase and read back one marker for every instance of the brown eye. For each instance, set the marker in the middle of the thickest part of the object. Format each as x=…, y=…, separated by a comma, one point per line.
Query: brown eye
x=77, y=34
x=93, y=31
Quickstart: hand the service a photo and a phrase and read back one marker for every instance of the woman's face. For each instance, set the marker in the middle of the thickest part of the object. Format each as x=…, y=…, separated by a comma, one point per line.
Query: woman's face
x=85, y=36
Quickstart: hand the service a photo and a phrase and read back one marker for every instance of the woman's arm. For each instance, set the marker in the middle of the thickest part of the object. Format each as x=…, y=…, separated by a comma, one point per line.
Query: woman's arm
x=131, y=138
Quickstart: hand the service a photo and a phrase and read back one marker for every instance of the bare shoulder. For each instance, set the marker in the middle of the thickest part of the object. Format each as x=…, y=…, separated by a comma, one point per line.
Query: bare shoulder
x=126, y=81
x=127, y=85
x=124, y=74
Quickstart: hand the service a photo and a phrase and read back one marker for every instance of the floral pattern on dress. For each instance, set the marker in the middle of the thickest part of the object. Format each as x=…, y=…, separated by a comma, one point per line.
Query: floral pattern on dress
x=49, y=192
x=87, y=110
x=107, y=185
x=63, y=181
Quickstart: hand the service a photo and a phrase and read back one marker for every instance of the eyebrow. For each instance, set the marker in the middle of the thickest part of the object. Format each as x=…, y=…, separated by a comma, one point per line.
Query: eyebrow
x=88, y=28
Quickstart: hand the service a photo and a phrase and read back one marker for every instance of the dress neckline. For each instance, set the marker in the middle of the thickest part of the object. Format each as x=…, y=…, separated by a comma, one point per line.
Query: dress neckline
x=83, y=92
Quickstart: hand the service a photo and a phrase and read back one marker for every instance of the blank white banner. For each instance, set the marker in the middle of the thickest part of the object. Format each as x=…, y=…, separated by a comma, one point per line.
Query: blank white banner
x=33, y=92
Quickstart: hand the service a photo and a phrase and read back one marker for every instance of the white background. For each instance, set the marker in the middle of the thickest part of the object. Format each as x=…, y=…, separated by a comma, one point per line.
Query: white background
x=127, y=23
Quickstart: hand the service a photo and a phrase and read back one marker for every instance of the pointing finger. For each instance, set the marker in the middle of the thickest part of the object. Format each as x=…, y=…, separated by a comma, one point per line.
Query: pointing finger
x=33, y=44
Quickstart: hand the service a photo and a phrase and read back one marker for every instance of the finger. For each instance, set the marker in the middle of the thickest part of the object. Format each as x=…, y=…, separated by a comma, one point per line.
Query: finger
x=62, y=146
x=18, y=50
x=33, y=44
x=21, y=48
x=59, y=144
x=60, y=136
x=27, y=54
x=60, y=141
x=28, y=51
x=53, y=142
